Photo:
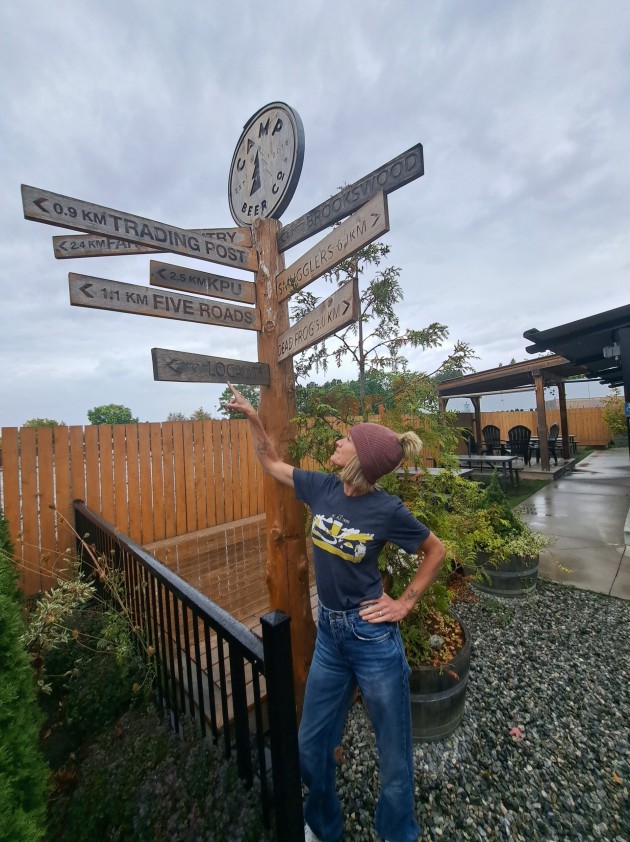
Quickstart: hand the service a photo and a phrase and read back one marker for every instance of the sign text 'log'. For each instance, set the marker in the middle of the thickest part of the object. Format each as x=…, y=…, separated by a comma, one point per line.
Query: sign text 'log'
x=183, y=367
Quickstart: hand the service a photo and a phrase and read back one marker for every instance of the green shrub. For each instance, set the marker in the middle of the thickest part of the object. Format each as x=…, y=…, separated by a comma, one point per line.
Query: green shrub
x=23, y=772
x=141, y=781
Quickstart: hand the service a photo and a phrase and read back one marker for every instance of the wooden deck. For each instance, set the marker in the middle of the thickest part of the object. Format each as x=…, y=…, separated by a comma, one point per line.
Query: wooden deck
x=227, y=564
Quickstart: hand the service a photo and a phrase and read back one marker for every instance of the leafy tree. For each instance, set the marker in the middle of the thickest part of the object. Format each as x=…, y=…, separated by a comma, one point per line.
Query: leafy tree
x=43, y=422
x=111, y=413
x=252, y=393
x=201, y=415
x=375, y=341
x=176, y=416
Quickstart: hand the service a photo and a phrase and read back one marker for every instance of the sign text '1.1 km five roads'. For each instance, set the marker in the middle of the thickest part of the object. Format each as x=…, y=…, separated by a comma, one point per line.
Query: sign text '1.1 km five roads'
x=103, y=294
x=363, y=227
x=392, y=175
x=80, y=245
x=55, y=209
x=337, y=311
x=185, y=279
x=199, y=368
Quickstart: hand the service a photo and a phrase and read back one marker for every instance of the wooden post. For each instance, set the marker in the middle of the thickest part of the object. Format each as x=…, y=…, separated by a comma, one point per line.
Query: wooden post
x=541, y=417
x=476, y=402
x=287, y=562
x=564, y=421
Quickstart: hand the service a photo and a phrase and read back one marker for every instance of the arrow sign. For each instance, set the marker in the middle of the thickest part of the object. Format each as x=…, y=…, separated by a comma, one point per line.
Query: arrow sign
x=198, y=368
x=55, y=209
x=363, y=227
x=341, y=309
x=103, y=294
x=78, y=245
x=397, y=172
x=203, y=283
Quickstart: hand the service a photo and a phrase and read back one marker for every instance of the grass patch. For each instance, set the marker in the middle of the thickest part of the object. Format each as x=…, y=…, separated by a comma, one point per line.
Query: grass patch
x=526, y=487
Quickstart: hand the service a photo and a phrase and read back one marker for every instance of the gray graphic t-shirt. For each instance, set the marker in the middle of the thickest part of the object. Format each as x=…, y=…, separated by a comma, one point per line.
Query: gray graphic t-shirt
x=348, y=535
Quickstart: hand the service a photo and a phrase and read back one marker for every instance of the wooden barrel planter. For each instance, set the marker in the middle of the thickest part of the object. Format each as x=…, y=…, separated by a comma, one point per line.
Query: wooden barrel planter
x=515, y=577
x=438, y=695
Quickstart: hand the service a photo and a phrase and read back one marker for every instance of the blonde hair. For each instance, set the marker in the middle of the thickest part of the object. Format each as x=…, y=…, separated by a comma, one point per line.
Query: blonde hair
x=353, y=475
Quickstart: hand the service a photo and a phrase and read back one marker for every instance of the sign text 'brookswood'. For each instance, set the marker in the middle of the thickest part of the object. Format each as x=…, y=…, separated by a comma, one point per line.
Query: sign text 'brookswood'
x=80, y=245
x=363, y=227
x=204, y=283
x=199, y=368
x=392, y=175
x=55, y=209
x=337, y=311
x=103, y=294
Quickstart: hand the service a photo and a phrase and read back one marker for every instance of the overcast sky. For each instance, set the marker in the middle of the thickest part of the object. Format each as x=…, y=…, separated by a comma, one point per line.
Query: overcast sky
x=521, y=220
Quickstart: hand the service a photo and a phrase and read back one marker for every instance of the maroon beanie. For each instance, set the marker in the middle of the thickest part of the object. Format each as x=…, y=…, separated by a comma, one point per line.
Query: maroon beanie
x=378, y=450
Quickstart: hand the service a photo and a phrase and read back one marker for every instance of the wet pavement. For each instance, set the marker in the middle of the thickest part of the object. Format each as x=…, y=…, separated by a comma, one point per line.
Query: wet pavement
x=586, y=511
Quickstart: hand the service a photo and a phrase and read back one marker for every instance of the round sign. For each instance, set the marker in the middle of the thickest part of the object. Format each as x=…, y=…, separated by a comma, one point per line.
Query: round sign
x=266, y=165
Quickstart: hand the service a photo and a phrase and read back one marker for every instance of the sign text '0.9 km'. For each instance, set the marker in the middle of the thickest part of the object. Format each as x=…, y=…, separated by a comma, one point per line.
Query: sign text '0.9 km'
x=363, y=227
x=55, y=209
x=103, y=294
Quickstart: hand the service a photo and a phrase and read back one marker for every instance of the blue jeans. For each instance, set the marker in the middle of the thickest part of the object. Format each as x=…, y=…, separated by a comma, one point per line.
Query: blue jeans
x=351, y=651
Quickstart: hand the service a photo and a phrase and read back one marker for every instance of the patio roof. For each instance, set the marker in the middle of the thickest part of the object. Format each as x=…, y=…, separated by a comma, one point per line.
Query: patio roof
x=516, y=377
x=599, y=343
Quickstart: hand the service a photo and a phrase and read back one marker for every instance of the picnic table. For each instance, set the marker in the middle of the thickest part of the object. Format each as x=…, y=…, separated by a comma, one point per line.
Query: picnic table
x=506, y=463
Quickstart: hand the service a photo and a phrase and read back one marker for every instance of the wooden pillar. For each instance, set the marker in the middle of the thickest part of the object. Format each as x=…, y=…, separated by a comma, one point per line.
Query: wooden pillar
x=541, y=419
x=476, y=402
x=624, y=352
x=287, y=562
x=564, y=421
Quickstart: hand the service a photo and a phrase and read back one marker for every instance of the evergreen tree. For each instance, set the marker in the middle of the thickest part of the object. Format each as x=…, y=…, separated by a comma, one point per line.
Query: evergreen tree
x=23, y=772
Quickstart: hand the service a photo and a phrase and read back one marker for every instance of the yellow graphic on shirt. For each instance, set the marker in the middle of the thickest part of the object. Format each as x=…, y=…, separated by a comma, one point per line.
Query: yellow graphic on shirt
x=331, y=535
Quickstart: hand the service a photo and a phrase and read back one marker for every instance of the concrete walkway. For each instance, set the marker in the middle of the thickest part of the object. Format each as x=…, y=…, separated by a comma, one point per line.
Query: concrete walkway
x=586, y=511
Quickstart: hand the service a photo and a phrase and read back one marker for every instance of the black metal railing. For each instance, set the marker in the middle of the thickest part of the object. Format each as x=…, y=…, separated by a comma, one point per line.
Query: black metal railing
x=211, y=668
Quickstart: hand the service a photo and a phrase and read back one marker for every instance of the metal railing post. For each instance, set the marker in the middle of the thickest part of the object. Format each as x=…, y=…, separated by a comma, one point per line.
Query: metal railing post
x=283, y=731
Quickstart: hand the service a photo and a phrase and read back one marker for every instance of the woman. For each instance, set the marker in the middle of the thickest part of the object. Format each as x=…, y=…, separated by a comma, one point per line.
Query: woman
x=358, y=640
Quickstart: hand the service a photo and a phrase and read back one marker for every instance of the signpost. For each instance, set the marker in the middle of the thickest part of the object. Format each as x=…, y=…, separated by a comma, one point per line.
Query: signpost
x=203, y=283
x=341, y=309
x=78, y=245
x=361, y=228
x=103, y=294
x=265, y=169
x=55, y=209
x=392, y=175
x=198, y=368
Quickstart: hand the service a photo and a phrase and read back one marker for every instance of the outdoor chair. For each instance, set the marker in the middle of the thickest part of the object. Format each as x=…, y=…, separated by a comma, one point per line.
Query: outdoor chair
x=492, y=438
x=469, y=441
x=518, y=438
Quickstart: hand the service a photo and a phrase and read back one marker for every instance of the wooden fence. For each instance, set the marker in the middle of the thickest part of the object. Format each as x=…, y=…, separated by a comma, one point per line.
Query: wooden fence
x=156, y=481
x=151, y=481
x=585, y=423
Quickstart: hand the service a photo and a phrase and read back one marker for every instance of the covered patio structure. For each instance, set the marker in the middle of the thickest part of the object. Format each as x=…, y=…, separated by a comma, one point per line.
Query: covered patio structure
x=531, y=375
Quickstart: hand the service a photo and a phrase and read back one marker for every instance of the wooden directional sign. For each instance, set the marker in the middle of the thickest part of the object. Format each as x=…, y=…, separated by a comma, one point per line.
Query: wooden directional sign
x=389, y=177
x=78, y=245
x=198, y=368
x=103, y=294
x=55, y=209
x=204, y=283
x=363, y=227
x=331, y=315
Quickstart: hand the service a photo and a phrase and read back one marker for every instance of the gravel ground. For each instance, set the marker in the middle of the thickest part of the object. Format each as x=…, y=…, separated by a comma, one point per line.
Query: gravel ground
x=555, y=666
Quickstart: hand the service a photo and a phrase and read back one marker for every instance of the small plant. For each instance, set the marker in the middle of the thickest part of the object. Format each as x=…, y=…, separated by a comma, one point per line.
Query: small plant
x=614, y=416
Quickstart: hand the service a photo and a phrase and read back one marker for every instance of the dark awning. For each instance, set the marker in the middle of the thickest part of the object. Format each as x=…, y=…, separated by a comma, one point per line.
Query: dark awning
x=596, y=343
